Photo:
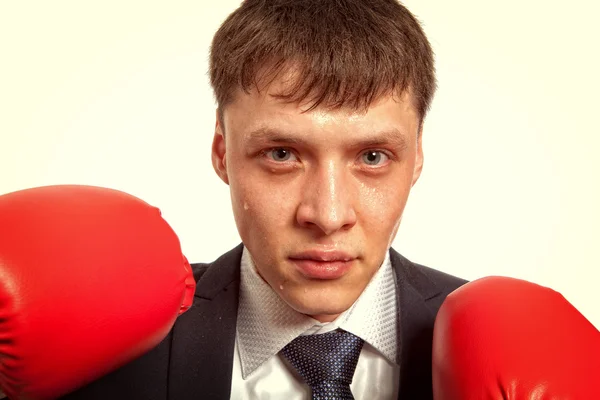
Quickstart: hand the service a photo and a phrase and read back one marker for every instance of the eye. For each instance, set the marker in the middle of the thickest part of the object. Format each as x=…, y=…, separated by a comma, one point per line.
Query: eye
x=374, y=157
x=280, y=154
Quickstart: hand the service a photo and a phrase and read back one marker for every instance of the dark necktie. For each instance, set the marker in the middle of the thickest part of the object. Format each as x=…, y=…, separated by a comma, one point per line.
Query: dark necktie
x=326, y=362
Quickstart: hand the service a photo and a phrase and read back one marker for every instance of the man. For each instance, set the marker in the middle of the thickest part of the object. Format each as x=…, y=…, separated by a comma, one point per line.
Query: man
x=319, y=136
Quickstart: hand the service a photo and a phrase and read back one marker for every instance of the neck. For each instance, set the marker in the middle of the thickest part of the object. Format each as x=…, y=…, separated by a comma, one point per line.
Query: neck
x=325, y=317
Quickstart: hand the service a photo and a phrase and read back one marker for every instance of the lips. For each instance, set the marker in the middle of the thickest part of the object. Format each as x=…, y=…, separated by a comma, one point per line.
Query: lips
x=318, y=264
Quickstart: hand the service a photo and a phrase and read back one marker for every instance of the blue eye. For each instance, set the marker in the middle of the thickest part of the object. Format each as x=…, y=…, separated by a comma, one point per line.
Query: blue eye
x=280, y=154
x=374, y=157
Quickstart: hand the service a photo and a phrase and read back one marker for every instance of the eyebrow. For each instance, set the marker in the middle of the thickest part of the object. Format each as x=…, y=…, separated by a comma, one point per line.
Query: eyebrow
x=393, y=137
x=272, y=135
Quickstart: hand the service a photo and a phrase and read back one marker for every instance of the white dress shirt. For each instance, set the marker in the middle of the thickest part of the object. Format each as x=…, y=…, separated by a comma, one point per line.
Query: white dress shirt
x=266, y=324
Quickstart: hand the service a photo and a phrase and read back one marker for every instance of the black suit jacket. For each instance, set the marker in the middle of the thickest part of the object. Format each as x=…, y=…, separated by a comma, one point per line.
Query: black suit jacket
x=195, y=360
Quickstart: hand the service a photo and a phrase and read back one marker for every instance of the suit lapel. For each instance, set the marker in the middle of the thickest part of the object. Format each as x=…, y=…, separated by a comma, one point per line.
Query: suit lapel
x=415, y=289
x=201, y=359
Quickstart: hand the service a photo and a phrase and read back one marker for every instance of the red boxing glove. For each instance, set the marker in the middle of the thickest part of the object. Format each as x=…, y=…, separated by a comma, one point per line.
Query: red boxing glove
x=504, y=338
x=90, y=279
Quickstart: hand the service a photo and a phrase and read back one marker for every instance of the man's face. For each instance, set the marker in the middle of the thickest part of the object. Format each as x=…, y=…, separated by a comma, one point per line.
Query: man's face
x=317, y=196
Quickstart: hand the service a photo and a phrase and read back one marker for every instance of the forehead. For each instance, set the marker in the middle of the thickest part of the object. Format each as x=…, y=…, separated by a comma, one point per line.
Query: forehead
x=263, y=112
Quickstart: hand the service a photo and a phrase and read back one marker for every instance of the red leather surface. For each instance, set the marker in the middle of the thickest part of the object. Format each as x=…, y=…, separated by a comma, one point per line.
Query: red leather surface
x=503, y=338
x=90, y=278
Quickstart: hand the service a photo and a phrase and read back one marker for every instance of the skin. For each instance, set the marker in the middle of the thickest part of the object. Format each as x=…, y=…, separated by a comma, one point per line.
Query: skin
x=306, y=181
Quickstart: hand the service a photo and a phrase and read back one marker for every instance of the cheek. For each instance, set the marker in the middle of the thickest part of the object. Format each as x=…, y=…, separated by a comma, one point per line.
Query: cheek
x=382, y=205
x=262, y=211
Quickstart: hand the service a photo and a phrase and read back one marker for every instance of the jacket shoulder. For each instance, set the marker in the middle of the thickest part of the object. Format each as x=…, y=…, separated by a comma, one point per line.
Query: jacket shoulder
x=441, y=279
x=199, y=269
x=431, y=284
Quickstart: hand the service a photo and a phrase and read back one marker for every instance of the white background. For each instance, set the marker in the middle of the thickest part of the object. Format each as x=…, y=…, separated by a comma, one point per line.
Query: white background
x=116, y=94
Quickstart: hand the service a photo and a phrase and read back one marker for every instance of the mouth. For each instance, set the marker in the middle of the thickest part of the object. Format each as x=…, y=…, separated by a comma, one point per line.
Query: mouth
x=322, y=265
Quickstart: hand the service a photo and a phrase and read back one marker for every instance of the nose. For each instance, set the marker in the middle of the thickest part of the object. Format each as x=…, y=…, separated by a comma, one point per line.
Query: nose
x=328, y=200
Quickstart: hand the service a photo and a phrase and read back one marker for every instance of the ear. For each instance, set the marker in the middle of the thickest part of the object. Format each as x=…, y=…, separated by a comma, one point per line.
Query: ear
x=418, y=158
x=219, y=153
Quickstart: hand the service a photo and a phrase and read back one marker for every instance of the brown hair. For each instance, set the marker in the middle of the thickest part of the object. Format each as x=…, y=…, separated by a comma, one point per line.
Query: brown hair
x=342, y=53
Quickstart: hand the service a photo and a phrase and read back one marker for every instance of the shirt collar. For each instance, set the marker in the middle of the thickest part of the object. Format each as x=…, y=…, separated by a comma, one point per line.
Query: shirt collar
x=266, y=323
